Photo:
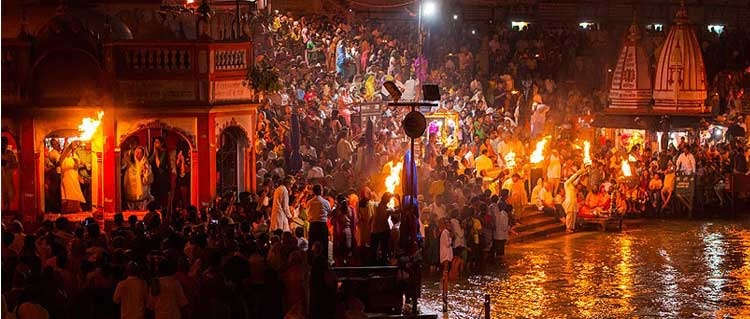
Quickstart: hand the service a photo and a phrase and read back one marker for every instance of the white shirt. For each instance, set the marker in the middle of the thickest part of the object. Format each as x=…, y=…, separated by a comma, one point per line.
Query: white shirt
x=131, y=295
x=446, y=249
x=170, y=299
x=344, y=150
x=501, y=225
x=439, y=211
x=686, y=163
x=318, y=209
x=315, y=172
x=280, y=209
x=410, y=90
x=458, y=231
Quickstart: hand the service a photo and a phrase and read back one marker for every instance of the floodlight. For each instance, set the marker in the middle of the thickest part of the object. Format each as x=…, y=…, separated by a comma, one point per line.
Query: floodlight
x=429, y=8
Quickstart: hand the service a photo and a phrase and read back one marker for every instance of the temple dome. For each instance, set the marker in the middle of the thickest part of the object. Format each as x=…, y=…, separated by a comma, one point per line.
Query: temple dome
x=631, y=87
x=680, y=83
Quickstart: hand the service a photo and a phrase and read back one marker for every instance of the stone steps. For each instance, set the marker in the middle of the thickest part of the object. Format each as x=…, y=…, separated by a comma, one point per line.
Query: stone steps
x=534, y=225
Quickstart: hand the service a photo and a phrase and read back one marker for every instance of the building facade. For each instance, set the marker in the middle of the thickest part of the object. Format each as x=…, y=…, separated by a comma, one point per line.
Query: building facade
x=164, y=94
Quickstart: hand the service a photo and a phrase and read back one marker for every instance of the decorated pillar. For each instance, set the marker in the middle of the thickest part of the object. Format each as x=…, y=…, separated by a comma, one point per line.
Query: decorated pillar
x=28, y=159
x=110, y=187
x=206, y=159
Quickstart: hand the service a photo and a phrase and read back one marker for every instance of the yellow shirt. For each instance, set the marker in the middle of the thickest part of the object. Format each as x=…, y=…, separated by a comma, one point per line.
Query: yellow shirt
x=482, y=163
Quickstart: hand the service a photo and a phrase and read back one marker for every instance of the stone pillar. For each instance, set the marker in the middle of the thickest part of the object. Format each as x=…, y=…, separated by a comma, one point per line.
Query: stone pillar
x=28, y=159
x=205, y=162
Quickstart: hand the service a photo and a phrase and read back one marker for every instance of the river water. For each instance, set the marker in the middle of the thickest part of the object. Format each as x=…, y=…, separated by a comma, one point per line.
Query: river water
x=659, y=269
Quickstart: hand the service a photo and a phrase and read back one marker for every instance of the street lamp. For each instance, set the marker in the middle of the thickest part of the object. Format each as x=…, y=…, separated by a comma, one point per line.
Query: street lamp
x=429, y=9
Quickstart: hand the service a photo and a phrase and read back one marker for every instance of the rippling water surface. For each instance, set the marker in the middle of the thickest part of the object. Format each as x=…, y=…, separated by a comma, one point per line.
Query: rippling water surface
x=662, y=269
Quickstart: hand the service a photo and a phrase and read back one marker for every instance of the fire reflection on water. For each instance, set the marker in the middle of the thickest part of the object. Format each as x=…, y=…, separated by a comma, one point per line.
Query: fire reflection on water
x=664, y=269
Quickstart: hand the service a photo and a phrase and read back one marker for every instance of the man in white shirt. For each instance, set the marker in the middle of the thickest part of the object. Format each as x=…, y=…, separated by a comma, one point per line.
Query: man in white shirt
x=318, y=209
x=438, y=209
x=686, y=162
x=280, y=212
x=502, y=227
x=446, y=258
x=131, y=294
x=344, y=148
x=410, y=89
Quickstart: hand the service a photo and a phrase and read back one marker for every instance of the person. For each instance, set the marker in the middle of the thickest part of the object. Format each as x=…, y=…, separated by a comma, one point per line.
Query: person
x=9, y=166
x=131, y=294
x=70, y=186
x=686, y=162
x=166, y=298
x=570, y=204
x=280, y=212
x=483, y=163
x=380, y=231
x=137, y=180
x=446, y=258
x=667, y=187
x=182, y=179
x=52, y=197
x=318, y=209
x=554, y=169
x=502, y=225
x=159, y=164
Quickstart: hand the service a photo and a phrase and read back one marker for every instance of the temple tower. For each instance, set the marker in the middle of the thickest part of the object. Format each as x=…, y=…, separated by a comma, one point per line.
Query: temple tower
x=680, y=83
x=631, y=87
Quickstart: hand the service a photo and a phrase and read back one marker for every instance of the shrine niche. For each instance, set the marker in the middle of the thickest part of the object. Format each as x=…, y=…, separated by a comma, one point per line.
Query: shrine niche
x=443, y=125
x=155, y=165
x=10, y=174
x=232, y=159
x=67, y=172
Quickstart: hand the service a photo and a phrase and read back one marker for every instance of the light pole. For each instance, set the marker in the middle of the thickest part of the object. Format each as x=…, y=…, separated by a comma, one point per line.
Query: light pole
x=427, y=10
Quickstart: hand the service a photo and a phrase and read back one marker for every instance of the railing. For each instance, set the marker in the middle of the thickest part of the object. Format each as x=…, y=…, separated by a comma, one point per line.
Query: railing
x=170, y=59
x=225, y=60
x=160, y=59
x=180, y=73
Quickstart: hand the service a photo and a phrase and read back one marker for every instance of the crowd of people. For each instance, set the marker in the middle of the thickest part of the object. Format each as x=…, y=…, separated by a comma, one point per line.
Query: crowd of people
x=322, y=198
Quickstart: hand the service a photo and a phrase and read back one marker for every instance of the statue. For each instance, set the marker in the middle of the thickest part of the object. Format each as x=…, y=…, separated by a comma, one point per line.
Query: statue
x=137, y=179
x=52, y=176
x=159, y=163
x=70, y=186
x=10, y=165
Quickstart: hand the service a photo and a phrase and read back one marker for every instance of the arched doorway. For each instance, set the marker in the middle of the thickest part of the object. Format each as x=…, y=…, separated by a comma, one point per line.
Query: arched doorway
x=10, y=174
x=67, y=172
x=146, y=175
x=230, y=160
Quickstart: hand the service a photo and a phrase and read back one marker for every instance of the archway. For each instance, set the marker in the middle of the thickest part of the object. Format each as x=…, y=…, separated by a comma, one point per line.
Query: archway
x=67, y=172
x=10, y=174
x=163, y=176
x=230, y=160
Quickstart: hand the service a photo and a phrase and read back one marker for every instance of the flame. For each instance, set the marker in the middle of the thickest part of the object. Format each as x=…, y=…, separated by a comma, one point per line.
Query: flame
x=393, y=180
x=586, y=153
x=88, y=127
x=626, y=169
x=538, y=155
x=510, y=159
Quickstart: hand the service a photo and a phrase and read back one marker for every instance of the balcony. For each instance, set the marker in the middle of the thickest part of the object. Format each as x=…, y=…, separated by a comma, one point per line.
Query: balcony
x=180, y=73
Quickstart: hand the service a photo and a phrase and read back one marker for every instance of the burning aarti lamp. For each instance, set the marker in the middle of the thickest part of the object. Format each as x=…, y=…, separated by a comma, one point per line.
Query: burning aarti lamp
x=89, y=126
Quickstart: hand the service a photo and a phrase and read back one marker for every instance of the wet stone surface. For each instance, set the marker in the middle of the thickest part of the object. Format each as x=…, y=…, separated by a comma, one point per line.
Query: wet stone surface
x=660, y=269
